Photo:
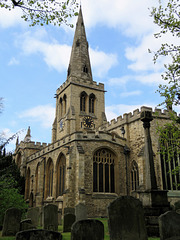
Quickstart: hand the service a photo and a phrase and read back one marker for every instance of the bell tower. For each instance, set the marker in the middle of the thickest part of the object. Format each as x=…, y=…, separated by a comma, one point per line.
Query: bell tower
x=79, y=100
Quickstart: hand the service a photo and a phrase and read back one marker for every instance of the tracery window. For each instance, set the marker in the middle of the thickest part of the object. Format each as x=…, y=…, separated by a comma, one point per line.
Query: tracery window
x=170, y=160
x=91, y=103
x=49, y=178
x=83, y=101
x=61, y=173
x=103, y=171
x=134, y=176
x=27, y=184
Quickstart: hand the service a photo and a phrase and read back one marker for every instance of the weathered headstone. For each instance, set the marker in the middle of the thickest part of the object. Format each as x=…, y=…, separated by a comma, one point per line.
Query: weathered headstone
x=26, y=224
x=169, y=225
x=177, y=206
x=80, y=212
x=50, y=217
x=69, y=219
x=126, y=219
x=11, y=224
x=69, y=210
x=38, y=234
x=34, y=215
x=87, y=229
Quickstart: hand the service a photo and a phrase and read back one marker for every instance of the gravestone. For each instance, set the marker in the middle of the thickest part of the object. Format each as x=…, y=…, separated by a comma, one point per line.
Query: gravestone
x=69, y=210
x=169, y=225
x=177, y=206
x=34, y=215
x=50, y=217
x=26, y=224
x=11, y=224
x=126, y=219
x=87, y=229
x=69, y=219
x=38, y=234
x=80, y=212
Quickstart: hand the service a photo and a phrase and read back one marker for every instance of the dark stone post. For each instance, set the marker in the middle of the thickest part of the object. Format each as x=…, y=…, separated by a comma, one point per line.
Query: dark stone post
x=151, y=184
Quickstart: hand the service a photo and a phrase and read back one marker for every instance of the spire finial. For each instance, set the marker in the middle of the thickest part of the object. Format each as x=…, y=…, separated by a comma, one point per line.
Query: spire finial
x=28, y=135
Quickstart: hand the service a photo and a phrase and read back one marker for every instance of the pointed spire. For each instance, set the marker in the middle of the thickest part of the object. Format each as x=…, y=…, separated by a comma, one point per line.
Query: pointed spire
x=17, y=141
x=79, y=65
x=28, y=135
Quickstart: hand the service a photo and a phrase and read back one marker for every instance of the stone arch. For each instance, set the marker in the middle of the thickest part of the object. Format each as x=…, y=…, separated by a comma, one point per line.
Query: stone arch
x=49, y=178
x=104, y=161
x=92, y=103
x=60, y=174
x=27, y=184
x=83, y=101
x=134, y=176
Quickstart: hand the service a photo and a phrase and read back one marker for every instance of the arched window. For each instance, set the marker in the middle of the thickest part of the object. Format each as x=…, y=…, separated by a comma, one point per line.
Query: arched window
x=170, y=159
x=49, y=178
x=37, y=179
x=91, y=103
x=61, y=173
x=19, y=157
x=61, y=107
x=27, y=184
x=134, y=176
x=83, y=97
x=65, y=103
x=103, y=171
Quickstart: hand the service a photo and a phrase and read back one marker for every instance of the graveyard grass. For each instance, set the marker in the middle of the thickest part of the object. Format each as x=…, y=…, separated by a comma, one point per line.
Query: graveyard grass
x=67, y=236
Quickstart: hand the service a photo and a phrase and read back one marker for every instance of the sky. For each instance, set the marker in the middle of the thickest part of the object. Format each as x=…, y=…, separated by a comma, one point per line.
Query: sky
x=34, y=62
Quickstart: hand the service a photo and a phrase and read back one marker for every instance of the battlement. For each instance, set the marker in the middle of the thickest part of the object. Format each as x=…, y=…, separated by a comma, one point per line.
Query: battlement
x=131, y=117
x=76, y=80
x=32, y=145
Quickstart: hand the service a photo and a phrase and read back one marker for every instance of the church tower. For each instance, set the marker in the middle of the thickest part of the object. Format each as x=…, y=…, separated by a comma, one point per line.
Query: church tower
x=80, y=100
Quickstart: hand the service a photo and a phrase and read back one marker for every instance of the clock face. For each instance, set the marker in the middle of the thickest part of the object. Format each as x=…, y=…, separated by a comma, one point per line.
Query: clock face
x=88, y=122
x=61, y=124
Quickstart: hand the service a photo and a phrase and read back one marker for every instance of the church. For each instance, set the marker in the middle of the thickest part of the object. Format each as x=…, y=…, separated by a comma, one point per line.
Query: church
x=91, y=160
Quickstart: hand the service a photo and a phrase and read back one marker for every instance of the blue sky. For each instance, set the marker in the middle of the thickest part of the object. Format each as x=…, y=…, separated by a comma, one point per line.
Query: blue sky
x=34, y=60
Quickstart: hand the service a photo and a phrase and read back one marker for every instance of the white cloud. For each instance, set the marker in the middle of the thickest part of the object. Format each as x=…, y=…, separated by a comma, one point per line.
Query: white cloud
x=43, y=114
x=128, y=94
x=10, y=18
x=102, y=62
x=147, y=79
x=114, y=111
x=13, y=61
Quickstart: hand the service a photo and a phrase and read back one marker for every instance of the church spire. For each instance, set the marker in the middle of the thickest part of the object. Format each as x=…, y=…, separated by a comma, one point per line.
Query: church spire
x=79, y=65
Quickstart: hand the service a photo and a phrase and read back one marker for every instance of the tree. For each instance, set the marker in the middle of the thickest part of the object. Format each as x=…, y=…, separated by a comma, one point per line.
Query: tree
x=12, y=186
x=167, y=17
x=40, y=12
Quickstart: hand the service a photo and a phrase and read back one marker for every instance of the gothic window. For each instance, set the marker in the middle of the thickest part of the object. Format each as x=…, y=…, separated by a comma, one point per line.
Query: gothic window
x=103, y=171
x=61, y=107
x=91, y=103
x=65, y=103
x=61, y=172
x=170, y=159
x=37, y=178
x=49, y=178
x=19, y=157
x=27, y=184
x=83, y=97
x=134, y=176
x=85, y=69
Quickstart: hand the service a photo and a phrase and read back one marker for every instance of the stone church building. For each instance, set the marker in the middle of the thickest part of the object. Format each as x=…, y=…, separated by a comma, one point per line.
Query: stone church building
x=91, y=160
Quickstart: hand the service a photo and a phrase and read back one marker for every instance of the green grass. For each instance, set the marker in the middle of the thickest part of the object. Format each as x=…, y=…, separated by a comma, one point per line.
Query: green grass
x=67, y=236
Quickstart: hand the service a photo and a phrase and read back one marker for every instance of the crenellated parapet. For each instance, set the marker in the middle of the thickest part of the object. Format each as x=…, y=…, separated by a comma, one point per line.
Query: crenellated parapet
x=74, y=80
x=131, y=117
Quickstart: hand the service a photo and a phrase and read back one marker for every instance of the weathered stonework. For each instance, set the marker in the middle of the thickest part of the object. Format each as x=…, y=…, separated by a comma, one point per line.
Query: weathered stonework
x=63, y=172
